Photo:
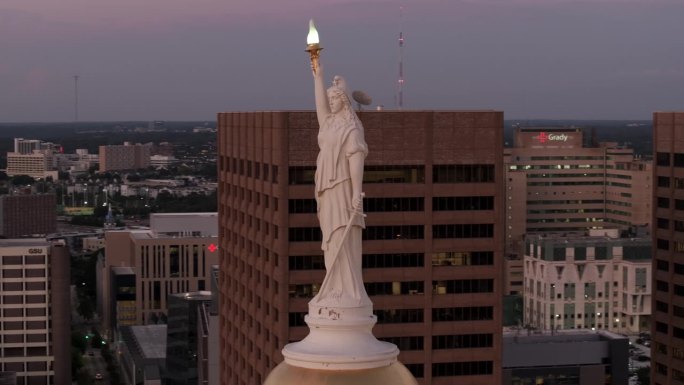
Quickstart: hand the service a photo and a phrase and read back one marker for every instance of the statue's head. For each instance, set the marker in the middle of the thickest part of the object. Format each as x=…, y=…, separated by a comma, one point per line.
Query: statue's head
x=337, y=95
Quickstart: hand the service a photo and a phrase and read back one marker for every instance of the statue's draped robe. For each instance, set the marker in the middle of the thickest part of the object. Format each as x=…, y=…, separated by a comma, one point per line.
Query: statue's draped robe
x=338, y=139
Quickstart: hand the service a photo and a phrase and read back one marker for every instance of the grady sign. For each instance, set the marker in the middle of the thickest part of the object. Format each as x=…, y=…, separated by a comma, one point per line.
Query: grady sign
x=543, y=137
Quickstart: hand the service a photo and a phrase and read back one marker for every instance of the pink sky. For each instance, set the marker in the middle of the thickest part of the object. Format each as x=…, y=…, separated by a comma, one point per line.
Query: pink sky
x=188, y=59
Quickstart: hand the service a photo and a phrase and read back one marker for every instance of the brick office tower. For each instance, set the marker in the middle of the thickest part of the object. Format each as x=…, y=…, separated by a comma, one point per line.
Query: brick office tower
x=667, y=326
x=25, y=215
x=433, y=242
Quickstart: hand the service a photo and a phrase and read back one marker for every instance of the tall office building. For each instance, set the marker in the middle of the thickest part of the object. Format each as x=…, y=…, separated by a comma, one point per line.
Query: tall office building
x=35, y=311
x=433, y=243
x=124, y=157
x=558, y=182
x=667, y=351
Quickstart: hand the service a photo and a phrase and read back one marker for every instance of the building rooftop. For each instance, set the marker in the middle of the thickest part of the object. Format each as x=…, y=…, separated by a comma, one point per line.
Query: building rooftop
x=559, y=336
x=24, y=242
x=150, y=340
x=122, y=270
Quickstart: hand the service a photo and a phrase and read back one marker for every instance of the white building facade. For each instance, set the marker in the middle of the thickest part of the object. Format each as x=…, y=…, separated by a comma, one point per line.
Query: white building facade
x=600, y=281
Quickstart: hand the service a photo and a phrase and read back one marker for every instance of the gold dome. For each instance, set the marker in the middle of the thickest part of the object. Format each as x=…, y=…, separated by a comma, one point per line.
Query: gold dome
x=395, y=374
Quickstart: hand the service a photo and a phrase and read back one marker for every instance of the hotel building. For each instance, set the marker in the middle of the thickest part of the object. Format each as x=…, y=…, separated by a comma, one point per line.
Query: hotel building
x=599, y=281
x=174, y=256
x=557, y=181
x=433, y=242
x=667, y=351
x=35, y=311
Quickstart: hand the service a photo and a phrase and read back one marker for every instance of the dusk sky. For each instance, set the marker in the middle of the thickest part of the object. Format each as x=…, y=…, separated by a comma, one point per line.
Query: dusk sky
x=188, y=59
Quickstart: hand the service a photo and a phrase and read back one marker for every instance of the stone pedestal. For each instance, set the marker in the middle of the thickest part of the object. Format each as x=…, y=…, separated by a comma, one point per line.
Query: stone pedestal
x=340, y=339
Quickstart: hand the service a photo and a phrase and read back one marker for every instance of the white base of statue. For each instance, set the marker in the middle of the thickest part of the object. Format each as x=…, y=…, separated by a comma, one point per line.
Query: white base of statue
x=340, y=339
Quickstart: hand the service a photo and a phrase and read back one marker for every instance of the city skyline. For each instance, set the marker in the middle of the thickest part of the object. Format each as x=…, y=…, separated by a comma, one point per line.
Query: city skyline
x=610, y=59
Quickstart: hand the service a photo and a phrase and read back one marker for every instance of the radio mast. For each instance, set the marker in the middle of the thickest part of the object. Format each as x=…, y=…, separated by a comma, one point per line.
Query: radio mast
x=75, y=98
x=400, y=81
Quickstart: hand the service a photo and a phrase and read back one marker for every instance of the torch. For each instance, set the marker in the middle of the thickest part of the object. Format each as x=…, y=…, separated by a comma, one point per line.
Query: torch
x=313, y=46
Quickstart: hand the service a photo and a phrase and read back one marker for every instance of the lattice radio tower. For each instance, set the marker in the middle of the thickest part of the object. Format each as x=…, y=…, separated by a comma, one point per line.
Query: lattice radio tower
x=400, y=81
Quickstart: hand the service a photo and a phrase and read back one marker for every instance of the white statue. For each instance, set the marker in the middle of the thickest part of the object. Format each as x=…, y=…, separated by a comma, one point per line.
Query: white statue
x=339, y=175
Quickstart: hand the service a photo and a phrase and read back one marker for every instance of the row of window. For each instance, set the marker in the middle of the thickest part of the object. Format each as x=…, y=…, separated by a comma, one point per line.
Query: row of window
x=667, y=159
x=565, y=211
x=23, y=259
x=468, y=368
x=398, y=260
x=20, y=286
x=21, y=338
x=24, y=325
x=23, y=312
x=566, y=202
x=483, y=230
x=394, y=316
x=33, y=351
x=564, y=175
x=308, y=206
x=22, y=299
x=249, y=169
x=23, y=273
x=453, y=173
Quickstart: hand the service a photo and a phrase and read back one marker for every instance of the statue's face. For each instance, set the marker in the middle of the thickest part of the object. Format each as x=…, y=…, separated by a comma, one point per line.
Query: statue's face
x=336, y=103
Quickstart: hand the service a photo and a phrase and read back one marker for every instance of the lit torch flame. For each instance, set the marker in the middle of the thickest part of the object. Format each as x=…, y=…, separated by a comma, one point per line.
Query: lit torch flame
x=312, y=37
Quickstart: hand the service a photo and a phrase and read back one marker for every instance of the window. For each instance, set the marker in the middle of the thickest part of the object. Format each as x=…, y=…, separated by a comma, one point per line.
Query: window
x=296, y=319
x=405, y=343
x=416, y=370
x=463, y=203
x=662, y=244
x=663, y=223
x=301, y=174
x=661, y=327
x=463, y=173
x=663, y=203
x=390, y=316
x=662, y=286
x=12, y=260
x=305, y=234
x=462, y=341
x=371, y=261
x=393, y=204
x=455, y=258
x=394, y=174
x=451, y=314
x=393, y=232
x=394, y=288
x=483, y=230
x=463, y=286
x=301, y=206
x=307, y=262
x=663, y=181
x=662, y=159
x=678, y=160
x=468, y=368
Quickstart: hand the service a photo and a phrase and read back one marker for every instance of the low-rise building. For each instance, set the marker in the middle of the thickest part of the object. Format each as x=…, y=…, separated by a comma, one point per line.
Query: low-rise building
x=599, y=281
x=577, y=357
x=174, y=255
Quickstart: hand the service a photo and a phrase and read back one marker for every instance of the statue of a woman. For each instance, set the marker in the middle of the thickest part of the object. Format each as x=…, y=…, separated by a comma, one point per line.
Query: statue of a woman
x=339, y=174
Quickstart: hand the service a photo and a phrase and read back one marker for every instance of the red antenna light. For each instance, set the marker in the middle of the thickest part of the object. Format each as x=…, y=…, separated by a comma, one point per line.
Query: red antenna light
x=212, y=247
